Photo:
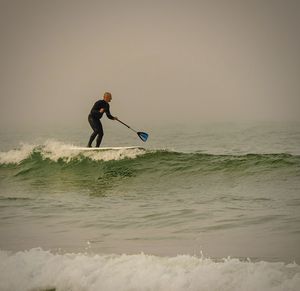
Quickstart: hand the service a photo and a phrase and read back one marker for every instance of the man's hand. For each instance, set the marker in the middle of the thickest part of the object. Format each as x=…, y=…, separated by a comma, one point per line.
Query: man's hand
x=102, y=110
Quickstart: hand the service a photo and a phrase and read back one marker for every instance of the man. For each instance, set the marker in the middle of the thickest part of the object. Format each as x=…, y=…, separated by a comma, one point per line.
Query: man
x=95, y=115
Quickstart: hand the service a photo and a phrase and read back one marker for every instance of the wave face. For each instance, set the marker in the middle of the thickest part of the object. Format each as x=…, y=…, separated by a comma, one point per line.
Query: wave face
x=41, y=270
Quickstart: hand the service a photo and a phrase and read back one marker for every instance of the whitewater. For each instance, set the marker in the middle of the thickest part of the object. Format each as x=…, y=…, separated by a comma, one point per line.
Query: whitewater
x=217, y=209
x=41, y=270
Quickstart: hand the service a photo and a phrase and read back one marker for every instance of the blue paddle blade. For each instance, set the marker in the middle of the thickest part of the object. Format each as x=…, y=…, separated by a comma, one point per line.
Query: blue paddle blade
x=143, y=135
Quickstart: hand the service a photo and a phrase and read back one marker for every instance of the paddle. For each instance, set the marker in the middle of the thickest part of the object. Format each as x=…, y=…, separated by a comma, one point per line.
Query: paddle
x=142, y=135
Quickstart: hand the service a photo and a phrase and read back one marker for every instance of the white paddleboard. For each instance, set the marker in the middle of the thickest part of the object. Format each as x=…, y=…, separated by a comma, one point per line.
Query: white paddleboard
x=106, y=148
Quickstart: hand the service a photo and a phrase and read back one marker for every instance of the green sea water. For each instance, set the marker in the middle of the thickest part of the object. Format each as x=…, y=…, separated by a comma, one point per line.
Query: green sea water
x=212, y=190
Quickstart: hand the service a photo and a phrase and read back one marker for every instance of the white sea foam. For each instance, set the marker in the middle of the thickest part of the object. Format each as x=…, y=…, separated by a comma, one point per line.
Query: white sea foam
x=55, y=150
x=41, y=270
x=16, y=156
x=114, y=154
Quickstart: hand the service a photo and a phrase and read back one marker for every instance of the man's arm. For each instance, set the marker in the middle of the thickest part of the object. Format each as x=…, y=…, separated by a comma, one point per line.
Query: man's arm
x=107, y=111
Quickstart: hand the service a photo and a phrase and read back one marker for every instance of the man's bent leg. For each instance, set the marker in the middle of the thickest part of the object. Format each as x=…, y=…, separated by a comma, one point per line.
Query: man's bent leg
x=92, y=137
x=96, y=126
x=100, y=135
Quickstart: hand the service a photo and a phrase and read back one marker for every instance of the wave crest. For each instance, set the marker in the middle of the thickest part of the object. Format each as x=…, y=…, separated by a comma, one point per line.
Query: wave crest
x=55, y=151
x=16, y=156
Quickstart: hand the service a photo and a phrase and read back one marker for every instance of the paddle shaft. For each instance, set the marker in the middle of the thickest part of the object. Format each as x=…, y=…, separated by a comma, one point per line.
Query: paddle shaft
x=127, y=125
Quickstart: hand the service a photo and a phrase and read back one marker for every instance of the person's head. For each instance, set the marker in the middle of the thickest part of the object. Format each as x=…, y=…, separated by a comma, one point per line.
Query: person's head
x=107, y=96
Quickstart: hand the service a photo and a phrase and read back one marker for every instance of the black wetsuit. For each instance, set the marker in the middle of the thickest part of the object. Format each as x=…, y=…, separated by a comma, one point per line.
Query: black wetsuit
x=94, y=120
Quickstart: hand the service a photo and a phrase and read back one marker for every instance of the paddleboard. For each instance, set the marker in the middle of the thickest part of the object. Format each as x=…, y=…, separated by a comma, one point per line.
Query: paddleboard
x=106, y=148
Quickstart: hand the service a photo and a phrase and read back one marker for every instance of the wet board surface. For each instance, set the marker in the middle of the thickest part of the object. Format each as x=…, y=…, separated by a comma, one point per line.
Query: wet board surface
x=107, y=148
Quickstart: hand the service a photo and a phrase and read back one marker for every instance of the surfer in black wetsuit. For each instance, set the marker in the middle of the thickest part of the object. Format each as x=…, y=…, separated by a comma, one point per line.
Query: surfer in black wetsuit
x=95, y=115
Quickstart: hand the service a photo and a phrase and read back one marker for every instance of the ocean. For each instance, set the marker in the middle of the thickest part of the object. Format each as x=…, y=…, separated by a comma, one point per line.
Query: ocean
x=208, y=206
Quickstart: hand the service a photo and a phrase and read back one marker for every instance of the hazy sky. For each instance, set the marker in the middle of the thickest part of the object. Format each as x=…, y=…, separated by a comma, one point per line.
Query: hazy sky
x=163, y=61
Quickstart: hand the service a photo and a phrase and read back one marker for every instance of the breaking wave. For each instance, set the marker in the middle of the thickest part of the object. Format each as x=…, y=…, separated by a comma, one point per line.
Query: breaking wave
x=37, y=269
x=65, y=154
x=58, y=151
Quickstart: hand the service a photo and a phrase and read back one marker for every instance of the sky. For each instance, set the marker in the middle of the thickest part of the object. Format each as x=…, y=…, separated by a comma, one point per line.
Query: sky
x=163, y=61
